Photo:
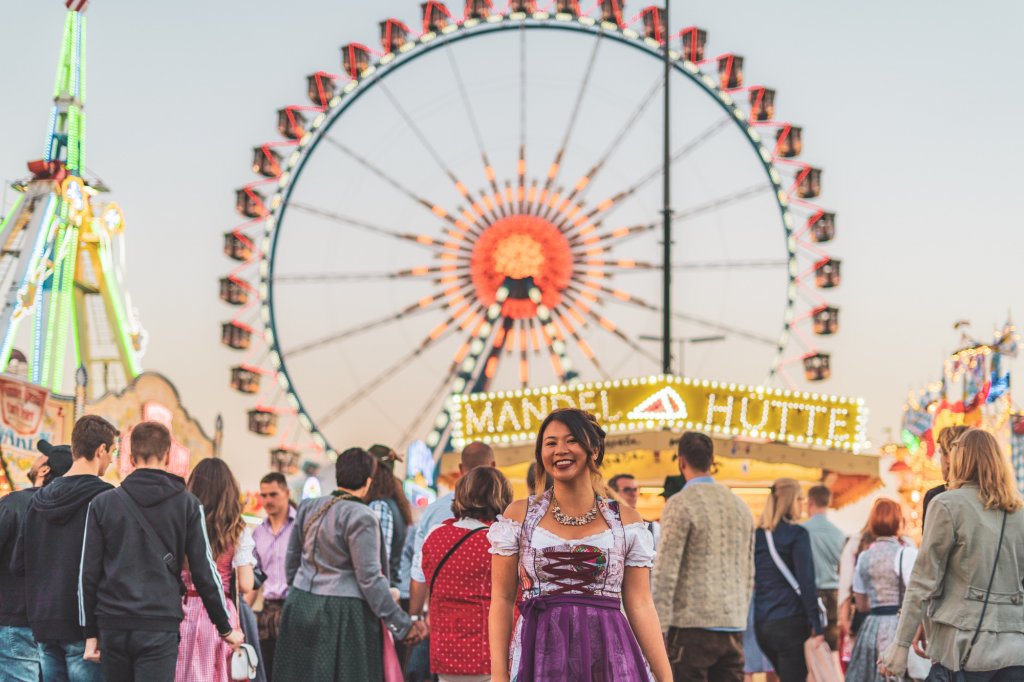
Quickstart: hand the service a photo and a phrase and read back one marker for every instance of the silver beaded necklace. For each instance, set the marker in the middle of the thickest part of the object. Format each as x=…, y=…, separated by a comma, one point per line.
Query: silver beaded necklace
x=566, y=520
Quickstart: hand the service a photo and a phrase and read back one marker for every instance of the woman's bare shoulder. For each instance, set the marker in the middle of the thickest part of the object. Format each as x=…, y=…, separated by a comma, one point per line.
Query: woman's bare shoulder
x=629, y=515
x=516, y=511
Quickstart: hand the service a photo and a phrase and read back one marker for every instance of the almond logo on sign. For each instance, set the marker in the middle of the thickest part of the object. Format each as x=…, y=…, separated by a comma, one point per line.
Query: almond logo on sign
x=665, y=405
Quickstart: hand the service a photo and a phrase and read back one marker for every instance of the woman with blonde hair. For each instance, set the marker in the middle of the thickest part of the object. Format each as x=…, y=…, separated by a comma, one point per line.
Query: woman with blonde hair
x=583, y=563
x=966, y=586
x=786, y=610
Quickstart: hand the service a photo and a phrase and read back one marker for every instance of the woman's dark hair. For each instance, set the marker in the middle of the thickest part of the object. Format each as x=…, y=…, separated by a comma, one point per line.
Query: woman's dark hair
x=215, y=486
x=385, y=486
x=584, y=428
x=482, y=494
x=531, y=479
x=353, y=467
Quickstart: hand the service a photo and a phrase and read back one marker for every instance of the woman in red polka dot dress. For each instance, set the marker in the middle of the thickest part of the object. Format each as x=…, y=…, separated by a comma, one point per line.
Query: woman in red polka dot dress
x=457, y=565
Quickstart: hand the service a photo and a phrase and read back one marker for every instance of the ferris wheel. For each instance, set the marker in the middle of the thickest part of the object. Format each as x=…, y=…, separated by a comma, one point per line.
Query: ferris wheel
x=474, y=206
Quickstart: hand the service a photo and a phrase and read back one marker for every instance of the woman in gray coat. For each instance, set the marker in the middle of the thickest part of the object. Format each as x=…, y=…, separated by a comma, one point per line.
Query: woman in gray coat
x=967, y=586
x=339, y=596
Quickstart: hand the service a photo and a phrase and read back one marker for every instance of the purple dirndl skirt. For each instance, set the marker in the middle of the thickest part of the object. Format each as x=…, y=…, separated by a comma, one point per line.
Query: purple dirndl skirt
x=585, y=638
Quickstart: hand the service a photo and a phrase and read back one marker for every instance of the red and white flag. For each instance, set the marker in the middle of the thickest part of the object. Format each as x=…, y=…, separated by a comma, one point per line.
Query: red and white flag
x=76, y=5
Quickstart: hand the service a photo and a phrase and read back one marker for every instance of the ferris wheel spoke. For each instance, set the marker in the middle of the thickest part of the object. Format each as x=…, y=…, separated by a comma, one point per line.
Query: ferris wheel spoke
x=732, y=198
x=473, y=124
x=636, y=301
x=584, y=347
x=410, y=273
x=432, y=302
x=422, y=240
x=581, y=186
x=441, y=331
x=556, y=165
x=435, y=208
x=460, y=187
x=612, y=202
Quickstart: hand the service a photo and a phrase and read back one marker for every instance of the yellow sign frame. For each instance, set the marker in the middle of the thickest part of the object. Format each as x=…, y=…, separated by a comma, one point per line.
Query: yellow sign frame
x=668, y=402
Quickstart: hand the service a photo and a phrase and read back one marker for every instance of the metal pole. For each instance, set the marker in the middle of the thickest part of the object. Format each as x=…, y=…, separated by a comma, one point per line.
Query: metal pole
x=666, y=311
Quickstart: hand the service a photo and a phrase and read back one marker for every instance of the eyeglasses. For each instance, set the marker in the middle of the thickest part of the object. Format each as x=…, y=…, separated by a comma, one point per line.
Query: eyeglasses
x=628, y=490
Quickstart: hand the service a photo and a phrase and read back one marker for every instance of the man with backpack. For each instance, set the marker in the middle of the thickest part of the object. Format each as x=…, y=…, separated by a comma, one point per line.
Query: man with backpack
x=137, y=538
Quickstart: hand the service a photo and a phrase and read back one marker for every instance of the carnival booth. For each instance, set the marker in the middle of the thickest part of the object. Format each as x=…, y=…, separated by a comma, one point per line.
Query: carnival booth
x=760, y=433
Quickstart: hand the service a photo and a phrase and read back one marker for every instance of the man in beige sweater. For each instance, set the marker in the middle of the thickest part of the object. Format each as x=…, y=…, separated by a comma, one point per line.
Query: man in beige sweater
x=704, y=573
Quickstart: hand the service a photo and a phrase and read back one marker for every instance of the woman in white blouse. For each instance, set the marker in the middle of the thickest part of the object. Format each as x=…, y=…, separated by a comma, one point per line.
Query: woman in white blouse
x=580, y=560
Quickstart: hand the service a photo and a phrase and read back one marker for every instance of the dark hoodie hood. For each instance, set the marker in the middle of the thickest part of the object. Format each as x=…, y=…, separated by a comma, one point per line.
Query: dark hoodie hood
x=59, y=501
x=150, y=487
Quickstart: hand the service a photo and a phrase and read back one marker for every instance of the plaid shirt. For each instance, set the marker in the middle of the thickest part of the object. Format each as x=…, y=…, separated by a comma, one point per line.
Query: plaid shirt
x=387, y=523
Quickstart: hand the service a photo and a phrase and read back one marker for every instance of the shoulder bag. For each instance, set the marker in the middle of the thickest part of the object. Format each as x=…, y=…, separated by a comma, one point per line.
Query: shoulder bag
x=791, y=579
x=244, y=662
x=167, y=558
x=449, y=553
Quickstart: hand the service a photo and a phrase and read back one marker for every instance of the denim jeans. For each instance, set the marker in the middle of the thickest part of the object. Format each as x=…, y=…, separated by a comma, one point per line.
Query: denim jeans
x=63, y=662
x=19, y=655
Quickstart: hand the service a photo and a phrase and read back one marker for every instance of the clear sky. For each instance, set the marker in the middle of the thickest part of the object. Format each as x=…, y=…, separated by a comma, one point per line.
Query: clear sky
x=909, y=107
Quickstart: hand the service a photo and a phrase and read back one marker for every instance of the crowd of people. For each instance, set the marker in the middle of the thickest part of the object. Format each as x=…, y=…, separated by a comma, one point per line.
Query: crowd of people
x=161, y=579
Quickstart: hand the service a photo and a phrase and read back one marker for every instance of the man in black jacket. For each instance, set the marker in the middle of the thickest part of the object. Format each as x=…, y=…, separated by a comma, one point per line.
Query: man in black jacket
x=49, y=549
x=136, y=539
x=19, y=655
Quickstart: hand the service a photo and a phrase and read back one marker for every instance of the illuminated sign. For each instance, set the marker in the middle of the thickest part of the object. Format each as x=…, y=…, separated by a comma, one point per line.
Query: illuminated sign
x=668, y=402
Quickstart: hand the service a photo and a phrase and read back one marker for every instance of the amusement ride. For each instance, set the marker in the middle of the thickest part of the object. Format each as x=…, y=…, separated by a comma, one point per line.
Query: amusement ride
x=478, y=193
x=66, y=314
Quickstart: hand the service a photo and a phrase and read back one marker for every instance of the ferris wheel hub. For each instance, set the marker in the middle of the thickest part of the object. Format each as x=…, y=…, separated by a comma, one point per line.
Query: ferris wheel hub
x=522, y=249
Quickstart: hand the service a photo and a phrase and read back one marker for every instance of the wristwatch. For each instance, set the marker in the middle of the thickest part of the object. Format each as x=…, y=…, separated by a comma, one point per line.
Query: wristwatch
x=415, y=618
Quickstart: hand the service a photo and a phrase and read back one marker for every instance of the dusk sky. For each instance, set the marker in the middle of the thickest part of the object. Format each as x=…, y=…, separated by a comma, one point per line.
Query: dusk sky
x=909, y=108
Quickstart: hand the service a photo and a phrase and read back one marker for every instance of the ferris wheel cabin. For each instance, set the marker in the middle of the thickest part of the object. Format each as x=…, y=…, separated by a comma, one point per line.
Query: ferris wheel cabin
x=762, y=104
x=825, y=320
x=694, y=42
x=355, y=58
x=236, y=335
x=730, y=71
x=283, y=460
x=808, y=185
x=245, y=379
x=654, y=23
x=822, y=226
x=527, y=6
x=817, y=366
x=320, y=88
x=236, y=247
x=393, y=35
x=789, y=141
x=826, y=273
x=611, y=12
x=234, y=291
x=266, y=162
x=436, y=16
x=250, y=203
x=478, y=9
x=263, y=421
x=291, y=123
x=571, y=7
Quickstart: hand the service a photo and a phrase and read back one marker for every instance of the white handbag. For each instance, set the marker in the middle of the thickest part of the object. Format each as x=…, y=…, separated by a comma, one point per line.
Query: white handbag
x=244, y=662
x=918, y=668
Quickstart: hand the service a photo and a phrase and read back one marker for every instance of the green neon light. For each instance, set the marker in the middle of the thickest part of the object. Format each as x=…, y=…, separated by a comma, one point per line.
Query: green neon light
x=116, y=302
x=36, y=254
x=75, y=161
x=63, y=74
x=11, y=213
x=67, y=307
x=60, y=249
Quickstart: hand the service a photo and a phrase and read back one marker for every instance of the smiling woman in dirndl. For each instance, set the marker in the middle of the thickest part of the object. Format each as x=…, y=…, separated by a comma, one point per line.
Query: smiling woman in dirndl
x=579, y=559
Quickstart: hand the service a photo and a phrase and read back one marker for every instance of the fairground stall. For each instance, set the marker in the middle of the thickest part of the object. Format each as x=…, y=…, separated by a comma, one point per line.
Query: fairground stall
x=760, y=433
